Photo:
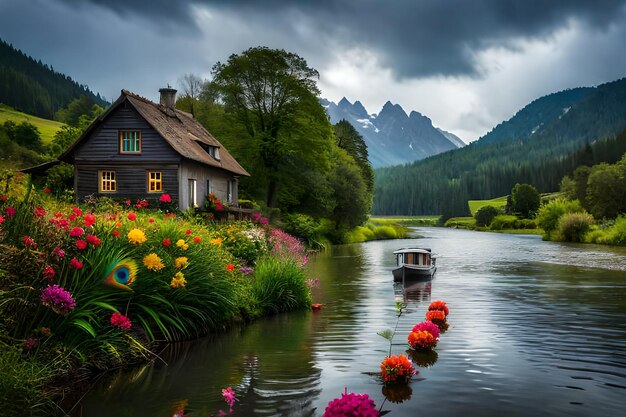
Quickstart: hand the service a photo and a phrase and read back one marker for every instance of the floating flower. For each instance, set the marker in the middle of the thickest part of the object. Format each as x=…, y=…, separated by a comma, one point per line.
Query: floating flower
x=120, y=321
x=436, y=316
x=181, y=262
x=216, y=241
x=94, y=240
x=136, y=236
x=165, y=198
x=90, y=220
x=58, y=299
x=182, y=244
x=230, y=267
x=439, y=305
x=197, y=239
x=179, y=280
x=397, y=368
x=116, y=233
x=153, y=262
x=351, y=404
x=10, y=211
x=40, y=211
x=428, y=326
x=77, y=232
x=48, y=272
x=132, y=216
x=29, y=242
x=76, y=264
x=422, y=340
x=166, y=242
x=58, y=252
x=81, y=244
x=229, y=396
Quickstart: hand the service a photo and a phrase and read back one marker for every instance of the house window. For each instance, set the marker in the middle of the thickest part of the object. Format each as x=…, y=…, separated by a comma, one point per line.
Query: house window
x=209, y=188
x=155, y=181
x=130, y=141
x=191, y=190
x=229, y=192
x=108, y=181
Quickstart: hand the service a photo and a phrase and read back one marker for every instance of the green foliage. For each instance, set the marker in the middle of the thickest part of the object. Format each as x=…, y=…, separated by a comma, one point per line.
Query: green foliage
x=525, y=200
x=573, y=226
x=550, y=213
x=606, y=190
x=351, y=141
x=460, y=223
x=24, y=134
x=79, y=112
x=280, y=285
x=485, y=215
x=502, y=222
x=305, y=228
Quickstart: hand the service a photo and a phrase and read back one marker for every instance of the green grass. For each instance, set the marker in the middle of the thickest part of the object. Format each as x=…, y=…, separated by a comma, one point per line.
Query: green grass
x=498, y=203
x=405, y=220
x=47, y=128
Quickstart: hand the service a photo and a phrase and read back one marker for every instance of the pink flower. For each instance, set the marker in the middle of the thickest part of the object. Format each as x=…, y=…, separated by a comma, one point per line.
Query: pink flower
x=127, y=202
x=94, y=240
x=40, y=211
x=59, y=252
x=30, y=343
x=132, y=216
x=1, y=219
x=77, y=232
x=76, y=264
x=165, y=198
x=351, y=405
x=428, y=326
x=229, y=396
x=90, y=219
x=81, y=244
x=121, y=321
x=10, y=211
x=48, y=272
x=264, y=221
x=58, y=299
x=29, y=242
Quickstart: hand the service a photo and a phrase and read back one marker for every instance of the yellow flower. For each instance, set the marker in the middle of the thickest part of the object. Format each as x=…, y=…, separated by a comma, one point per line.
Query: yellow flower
x=178, y=281
x=153, y=262
x=136, y=236
x=216, y=241
x=180, y=263
x=182, y=244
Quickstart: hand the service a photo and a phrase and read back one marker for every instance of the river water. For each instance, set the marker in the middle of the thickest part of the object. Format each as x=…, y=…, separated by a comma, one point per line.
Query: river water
x=535, y=328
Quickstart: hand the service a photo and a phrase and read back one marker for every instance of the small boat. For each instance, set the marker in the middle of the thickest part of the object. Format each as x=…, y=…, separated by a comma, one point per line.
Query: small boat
x=414, y=264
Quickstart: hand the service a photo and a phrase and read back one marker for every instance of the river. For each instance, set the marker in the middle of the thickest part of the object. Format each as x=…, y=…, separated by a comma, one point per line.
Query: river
x=535, y=328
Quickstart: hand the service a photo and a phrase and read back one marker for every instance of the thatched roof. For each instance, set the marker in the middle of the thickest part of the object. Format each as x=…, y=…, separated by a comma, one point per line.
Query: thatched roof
x=184, y=133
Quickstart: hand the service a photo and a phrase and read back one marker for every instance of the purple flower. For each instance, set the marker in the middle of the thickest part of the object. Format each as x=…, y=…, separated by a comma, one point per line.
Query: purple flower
x=58, y=299
x=351, y=405
x=246, y=270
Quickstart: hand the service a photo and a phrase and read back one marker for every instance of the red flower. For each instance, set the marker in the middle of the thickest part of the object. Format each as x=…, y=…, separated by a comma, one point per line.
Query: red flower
x=47, y=190
x=188, y=231
x=230, y=267
x=90, y=219
x=40, y=211
x=3, y=198
x=422, y=340
x=77, y=211
x=94, y=240
x=1, y=219
x=48, y=272
x=132, y=216
x=77, y=232
x=436, y=316
x=59, y=252
x=197, y=239
x=397, y=368
x=120, y=321
x=116, y=233
x=75, y=263
x=29, y=242
x=10, y=211
x=165, y=198
x=127, y=202
x=439, y=305
x=150, y=220
x=166, y=242
x=81, y=244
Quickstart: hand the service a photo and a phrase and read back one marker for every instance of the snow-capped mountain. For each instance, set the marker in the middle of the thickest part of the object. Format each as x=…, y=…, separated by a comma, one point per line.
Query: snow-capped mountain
x=392, y=136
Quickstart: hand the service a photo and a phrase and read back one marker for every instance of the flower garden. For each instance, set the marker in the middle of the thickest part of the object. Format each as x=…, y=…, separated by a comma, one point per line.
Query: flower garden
x=100, y=285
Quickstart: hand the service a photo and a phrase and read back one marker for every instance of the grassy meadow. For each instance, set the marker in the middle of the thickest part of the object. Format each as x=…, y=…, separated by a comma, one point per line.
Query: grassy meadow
x=47, y=128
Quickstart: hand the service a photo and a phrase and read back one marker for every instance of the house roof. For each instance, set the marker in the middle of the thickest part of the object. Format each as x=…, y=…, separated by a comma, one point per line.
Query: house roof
x=184, y=133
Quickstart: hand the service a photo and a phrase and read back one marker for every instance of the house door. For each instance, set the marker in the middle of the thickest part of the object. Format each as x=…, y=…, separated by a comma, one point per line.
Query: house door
x=191, y=192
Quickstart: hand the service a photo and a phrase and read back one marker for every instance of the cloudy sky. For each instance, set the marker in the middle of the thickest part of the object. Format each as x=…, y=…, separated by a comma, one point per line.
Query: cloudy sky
x=466, y=64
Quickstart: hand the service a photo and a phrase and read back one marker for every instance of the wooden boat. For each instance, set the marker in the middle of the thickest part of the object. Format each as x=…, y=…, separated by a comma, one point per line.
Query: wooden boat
x=414, y=264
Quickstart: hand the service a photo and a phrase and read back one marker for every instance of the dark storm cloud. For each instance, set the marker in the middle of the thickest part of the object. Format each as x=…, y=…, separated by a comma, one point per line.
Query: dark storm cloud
x=414, y=37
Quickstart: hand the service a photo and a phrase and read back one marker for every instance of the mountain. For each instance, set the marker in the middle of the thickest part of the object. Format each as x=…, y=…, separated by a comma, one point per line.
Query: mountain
x=34, y=88
x=540, y=144
x=393, y=137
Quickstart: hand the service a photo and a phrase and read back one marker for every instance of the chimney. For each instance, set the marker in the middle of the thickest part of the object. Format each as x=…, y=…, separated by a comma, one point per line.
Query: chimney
x=168, y=97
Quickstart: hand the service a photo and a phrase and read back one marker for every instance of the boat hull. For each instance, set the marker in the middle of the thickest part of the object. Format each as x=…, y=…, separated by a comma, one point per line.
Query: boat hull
x=408, y=272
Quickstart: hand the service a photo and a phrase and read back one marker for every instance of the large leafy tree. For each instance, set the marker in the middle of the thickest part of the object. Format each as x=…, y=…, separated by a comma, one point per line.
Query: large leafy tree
x=525, y=199
x=346, y=137
x=273, y=94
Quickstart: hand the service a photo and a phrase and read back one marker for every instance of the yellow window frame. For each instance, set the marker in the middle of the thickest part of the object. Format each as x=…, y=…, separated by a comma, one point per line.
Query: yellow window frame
x=107, y=181
x=155, y=181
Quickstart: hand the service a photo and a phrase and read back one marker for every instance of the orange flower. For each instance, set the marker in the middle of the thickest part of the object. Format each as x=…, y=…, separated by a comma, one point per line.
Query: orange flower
x=436, y=316
x=216, y=241
x=397, y=368
x=439, y=305
x=422, y=339
x=230, y=267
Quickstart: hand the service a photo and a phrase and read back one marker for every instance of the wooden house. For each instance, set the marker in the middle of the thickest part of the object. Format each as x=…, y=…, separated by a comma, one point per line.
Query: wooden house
x=139, y=149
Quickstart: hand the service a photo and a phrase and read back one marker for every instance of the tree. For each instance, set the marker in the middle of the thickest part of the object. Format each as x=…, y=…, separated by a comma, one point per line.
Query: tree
x=525, y=199
x=82, y=106
x=273, y=94
x=24, y=134
x=605, y=191
x=191, y=88
x=346, y=137
x=485, y=215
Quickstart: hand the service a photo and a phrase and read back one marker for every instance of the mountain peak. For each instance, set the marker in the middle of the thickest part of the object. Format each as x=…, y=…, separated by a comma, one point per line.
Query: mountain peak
x=344, y=103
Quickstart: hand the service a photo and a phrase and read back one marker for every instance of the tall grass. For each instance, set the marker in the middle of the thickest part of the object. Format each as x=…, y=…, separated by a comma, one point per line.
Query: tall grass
x=280, y=285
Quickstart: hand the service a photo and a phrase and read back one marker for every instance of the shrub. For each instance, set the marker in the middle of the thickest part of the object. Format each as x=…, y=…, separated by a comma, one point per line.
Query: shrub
x=574, y=226
x=385, y=232
x=550, y=213
x=280, y=285
x=304, y=227
x=502, y=222
x=485, y=215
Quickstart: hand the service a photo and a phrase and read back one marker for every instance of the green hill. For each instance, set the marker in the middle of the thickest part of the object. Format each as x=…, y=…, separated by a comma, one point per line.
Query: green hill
x=47, y=128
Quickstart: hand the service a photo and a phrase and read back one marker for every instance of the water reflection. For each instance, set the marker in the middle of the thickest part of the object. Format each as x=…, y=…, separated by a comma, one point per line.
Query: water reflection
x=417, y=292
